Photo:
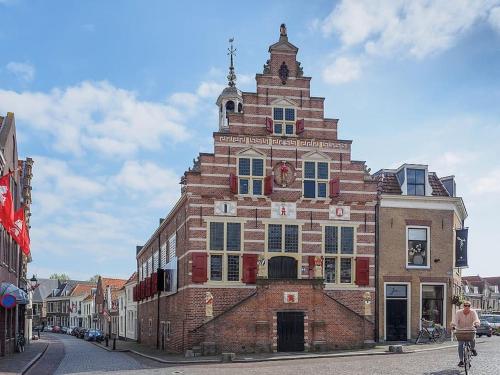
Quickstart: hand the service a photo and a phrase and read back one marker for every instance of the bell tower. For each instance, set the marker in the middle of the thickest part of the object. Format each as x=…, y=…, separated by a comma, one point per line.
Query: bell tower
x=231, y=99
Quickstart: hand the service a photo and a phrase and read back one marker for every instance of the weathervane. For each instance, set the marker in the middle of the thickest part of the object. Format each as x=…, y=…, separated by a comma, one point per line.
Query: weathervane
x=231, y=76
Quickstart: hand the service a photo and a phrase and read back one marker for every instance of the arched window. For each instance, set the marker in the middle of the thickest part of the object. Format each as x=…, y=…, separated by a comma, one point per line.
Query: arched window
x=240, y=107
x=230, y=106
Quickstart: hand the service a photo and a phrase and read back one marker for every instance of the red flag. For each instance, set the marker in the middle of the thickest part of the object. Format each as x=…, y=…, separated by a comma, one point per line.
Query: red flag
x=18, y=230
x=6, y=208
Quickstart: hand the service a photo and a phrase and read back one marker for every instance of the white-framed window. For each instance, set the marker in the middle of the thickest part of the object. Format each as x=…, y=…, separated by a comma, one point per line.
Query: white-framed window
x=415, y=184
x=339, y=249
x=156, y=256
x=225, y=239
x=284, y=121
x=251, y=175
x=283, y=238
x=150, y=266
x=164, y=255
x=418, y=247
x=316, y=175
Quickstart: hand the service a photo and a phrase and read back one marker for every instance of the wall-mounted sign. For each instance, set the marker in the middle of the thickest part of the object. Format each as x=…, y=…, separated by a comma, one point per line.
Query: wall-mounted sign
x=461, y=248
x=340, y=213
x=8, y=301
x=225, y=208
x=283, y=210
x=291, y=297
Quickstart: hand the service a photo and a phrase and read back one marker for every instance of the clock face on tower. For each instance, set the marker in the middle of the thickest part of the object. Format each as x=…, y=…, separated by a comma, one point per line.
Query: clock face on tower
x=225, y=208
x=284, y=174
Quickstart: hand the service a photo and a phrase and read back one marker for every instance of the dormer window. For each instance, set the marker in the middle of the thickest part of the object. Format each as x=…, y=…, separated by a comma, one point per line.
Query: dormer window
x=415, y=181
x=284, y=121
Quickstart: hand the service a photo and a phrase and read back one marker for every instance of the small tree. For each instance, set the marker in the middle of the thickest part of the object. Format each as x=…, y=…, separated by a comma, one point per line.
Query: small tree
x=94, y=278
x=60, y=277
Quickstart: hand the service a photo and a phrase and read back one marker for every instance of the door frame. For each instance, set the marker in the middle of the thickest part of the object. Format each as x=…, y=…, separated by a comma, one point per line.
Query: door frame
x=408, y=308
x=303, y=327
x=445, y=296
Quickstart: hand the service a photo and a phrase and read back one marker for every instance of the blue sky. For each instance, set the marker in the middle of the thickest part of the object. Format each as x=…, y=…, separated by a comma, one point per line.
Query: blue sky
x=113, y=100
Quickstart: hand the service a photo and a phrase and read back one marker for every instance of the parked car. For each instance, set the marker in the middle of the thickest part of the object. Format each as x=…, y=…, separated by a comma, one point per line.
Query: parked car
x=484, y=329
x=75, y=330
x=48, y=328
x=494, y=320
x=69, y=330
x=93, y=335
x=56, y=329
x=81, y=333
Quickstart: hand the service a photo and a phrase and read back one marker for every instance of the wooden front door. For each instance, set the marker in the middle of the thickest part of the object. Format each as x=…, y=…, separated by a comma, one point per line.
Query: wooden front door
x=282, y=267
x=290, y=331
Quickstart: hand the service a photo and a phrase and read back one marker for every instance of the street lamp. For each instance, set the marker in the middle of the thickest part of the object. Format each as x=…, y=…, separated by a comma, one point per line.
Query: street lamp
x=33, y=283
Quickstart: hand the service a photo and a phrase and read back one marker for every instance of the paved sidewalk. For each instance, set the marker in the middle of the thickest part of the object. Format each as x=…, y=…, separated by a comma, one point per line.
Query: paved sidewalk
x=18, y=363
x=163, y=357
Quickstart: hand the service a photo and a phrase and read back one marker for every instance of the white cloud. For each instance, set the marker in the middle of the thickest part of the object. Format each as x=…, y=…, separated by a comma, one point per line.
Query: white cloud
x=209, y=89
x=342, y=70
x=23, y=71
x=404, y=27
x=494, y=18
x=157, y=185
x=97, y=116
x=489, y=183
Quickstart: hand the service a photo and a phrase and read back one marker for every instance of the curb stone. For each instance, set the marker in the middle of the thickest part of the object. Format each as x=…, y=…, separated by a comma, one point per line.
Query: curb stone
x=30, y=364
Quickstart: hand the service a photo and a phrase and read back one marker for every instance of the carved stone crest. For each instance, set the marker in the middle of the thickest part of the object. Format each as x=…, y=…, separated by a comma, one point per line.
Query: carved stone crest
x=283, y=72
x=284, y=174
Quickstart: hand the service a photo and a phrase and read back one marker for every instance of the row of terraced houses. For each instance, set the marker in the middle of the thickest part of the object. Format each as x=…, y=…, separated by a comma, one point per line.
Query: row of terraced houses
x=281, y=242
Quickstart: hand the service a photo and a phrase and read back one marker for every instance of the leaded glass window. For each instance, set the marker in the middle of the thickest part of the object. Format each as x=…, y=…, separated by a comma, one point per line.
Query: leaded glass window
x=250, y=175
x=233, y=241
x=284, y=121
x=291, y=238
x=233, y=268
x=216, y=267
x=216, y=236
x=315, y=179
x=274, y=237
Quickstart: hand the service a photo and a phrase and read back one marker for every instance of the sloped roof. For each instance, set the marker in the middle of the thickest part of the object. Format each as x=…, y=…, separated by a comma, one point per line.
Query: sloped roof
x=89, y=297
x=437, y=186
x=113, y=283
x=132, y=278
x=81, y=289
x=495, y=280
x=389, y=184
x=45, y=287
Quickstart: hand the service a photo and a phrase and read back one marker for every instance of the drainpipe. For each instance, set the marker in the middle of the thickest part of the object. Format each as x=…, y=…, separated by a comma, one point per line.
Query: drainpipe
x=377, y=249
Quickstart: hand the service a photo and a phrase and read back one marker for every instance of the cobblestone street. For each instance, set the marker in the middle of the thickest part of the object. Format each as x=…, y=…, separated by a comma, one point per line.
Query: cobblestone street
x=73, y=356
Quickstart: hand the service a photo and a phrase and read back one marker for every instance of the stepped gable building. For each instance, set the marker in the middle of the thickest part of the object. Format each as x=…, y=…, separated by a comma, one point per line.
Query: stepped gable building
x=417, y=272
x=271, y=245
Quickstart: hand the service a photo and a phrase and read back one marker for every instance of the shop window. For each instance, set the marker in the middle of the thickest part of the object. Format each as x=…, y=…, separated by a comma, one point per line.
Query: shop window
x=432, y=303
x=418, y=247
x=315, y=179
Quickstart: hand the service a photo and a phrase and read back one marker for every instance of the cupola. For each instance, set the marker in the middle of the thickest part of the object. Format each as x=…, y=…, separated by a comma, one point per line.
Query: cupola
x=230, y=100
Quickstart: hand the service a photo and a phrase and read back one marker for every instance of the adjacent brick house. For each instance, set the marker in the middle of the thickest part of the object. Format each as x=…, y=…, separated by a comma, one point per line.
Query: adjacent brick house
x=482, y=292
x=106, y=298
x=271, y=245
x=417, y=218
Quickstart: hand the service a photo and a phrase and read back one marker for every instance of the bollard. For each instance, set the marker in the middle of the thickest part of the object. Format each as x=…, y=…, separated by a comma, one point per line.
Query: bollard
x=107, y=339
x=114, y=343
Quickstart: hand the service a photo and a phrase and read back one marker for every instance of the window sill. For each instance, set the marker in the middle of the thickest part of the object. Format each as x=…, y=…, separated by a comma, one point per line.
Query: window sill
x=418, y=267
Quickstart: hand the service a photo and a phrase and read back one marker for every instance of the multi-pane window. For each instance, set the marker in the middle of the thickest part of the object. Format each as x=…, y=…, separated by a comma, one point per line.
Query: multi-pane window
x=225, y=240
x=172, y=243
x=164, y=255
x=284, y=121
x=251, y=175
x=315, y=179
x=415, y=181
x=233, y=268
x=339, y=252
x=418, y=249
x=155, y=261
x=283, y=238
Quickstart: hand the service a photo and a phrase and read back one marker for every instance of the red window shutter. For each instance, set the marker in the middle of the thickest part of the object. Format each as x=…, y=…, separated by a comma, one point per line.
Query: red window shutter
x=147, y=287
x=249, y=268
x=299, y=126
x=140, y=293
x=154, y=282
x=269, y=125
x=310, y=259
x=334, y=187
x=233, y=183
x=362, y=271
x=199, y=267
x=268, y=185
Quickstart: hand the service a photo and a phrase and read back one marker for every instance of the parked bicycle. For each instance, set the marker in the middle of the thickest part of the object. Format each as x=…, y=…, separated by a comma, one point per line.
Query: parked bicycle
x=20, y=342
x=466, y=336
x=431, y=332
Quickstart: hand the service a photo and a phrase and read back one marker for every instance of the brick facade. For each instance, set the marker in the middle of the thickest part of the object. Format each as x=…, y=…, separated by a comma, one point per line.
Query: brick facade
x=243, y=314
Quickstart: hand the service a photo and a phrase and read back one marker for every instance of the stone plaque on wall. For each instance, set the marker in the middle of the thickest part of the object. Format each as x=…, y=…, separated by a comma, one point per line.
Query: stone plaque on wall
x=225, y=208
x=291, y=297
x=340, y=213
x=283, y=210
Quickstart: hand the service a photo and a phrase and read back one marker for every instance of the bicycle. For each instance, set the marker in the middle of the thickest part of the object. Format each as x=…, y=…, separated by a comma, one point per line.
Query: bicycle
x=434, y=332
x=20, y=343
x=467, y=336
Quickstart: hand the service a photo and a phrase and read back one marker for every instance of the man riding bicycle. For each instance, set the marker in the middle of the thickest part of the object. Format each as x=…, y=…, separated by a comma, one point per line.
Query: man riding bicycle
x=465, y=319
